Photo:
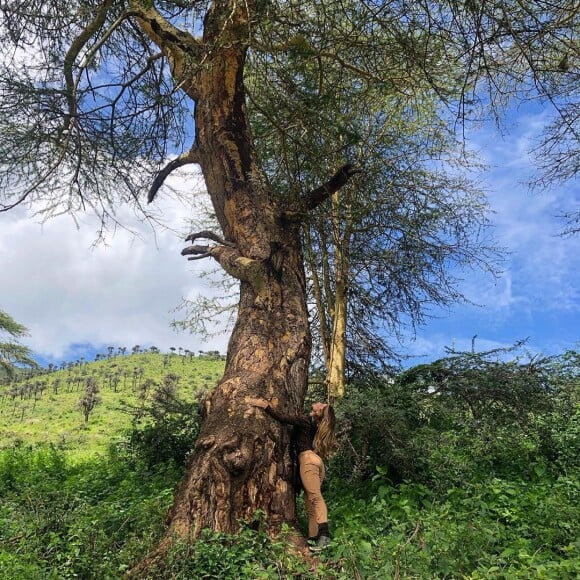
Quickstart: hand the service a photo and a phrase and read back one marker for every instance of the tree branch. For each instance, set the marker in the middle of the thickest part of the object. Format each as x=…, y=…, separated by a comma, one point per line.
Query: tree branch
x=179, y=46
x=207, y=235
x=183, y=159
x=228, y=257
x=197, y=252
x=321, y=194
x=236, y=265
x=76, y=46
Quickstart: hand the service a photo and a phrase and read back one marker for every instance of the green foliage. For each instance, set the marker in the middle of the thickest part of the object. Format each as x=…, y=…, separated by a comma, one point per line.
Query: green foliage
x=497, y=529
x=60, y=519
x=95, y=519
x=250, y=554
x=426, y=492
x=166, y=428
x=465, y=418
x=376, y=422
x=13, y=355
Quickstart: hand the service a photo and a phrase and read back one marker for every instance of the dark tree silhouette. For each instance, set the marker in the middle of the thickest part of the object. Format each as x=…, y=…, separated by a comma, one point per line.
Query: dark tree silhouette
x=12, y=354
x=90, y=398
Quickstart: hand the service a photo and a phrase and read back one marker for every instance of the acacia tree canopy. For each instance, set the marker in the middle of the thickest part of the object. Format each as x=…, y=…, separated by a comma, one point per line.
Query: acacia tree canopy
x=391, y=235
x=106, y=109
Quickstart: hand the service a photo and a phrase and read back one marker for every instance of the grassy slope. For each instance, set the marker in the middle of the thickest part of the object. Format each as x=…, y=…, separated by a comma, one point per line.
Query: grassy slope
x=56, y=418
x=62, y=518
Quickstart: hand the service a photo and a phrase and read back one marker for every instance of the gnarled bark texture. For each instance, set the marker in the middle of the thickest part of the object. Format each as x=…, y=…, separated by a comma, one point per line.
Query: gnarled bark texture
x=240, y=463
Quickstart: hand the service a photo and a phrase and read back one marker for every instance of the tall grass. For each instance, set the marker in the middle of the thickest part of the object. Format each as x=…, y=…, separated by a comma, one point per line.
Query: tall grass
x=92, y=507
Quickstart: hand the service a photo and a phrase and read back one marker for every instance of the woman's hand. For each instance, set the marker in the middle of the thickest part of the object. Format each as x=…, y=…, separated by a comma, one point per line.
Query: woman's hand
x=262, y=403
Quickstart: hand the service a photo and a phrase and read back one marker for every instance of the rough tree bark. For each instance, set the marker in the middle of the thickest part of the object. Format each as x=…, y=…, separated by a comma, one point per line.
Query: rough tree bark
x=240, y=463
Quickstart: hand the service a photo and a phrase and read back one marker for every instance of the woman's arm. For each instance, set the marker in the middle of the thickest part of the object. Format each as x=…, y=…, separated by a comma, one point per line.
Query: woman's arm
x=299, y=420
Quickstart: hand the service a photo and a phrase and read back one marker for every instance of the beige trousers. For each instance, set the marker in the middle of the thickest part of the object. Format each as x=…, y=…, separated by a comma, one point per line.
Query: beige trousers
x=312, y=476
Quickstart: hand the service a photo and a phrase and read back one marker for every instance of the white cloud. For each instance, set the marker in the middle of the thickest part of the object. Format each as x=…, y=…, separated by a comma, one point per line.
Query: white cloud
x=542, y=269
x=68, y=291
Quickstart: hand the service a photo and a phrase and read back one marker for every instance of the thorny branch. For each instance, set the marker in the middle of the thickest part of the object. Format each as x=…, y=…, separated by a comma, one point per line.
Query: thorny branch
x=321, y=194
x=183, y=159
x=227, y=256
x=75, y=48
x=207, y=235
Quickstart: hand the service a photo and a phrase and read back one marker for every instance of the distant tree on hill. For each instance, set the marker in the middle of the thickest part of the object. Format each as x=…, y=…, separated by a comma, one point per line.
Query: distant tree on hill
x=137, y=376
x=114, y=380
x=12, y=353
x=90, y=398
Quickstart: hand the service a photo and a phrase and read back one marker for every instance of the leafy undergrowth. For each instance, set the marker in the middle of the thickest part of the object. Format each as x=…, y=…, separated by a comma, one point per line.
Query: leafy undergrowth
x=97, y=518
x=90, y=519
x=493, y=529
x=422, y=487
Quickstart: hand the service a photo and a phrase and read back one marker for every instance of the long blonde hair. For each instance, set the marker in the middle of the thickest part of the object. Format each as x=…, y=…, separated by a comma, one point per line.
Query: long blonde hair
x=324, y=443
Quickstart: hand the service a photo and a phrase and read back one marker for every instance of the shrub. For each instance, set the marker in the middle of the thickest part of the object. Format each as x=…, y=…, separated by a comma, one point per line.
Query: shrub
x=465, y=418
x=60, y=519
x=166, y=429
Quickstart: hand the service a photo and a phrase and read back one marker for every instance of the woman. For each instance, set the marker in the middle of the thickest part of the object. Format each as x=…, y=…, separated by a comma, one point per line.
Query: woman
x=315, y=440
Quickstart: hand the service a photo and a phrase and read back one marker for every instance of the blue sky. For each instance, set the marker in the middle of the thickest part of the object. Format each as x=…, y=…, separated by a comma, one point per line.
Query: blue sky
x=537, y=295
x=77, y=298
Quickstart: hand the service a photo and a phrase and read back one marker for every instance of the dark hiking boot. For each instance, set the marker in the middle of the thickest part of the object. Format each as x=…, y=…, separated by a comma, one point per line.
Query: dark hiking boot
x=322, y=540
x=322, y=543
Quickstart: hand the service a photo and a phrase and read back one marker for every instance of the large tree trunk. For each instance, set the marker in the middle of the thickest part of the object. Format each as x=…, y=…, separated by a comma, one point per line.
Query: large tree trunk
x=240, y=462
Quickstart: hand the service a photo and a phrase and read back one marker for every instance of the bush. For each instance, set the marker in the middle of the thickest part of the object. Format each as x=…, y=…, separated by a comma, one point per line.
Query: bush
x=486, y=530
x=60, y=519
x=462, y=419
x=376, y=426
x=166, y=429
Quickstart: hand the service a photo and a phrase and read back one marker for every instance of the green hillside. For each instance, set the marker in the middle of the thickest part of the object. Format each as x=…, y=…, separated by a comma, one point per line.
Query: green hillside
x=476, y=479
x=44, y=408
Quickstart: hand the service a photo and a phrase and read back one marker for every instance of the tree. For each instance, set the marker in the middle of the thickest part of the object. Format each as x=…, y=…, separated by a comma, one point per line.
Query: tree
x=379, y=254
x=90, y=398
x=12, y=354
x=89, y=123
